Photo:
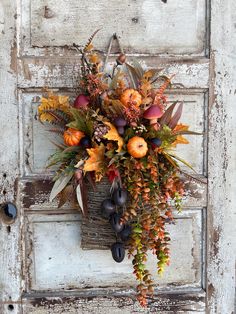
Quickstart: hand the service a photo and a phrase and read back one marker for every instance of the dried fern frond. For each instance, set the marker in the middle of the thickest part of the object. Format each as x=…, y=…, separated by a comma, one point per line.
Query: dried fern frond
x=59, y=130
x=163, y=87
x=89, y=46
x=55, y=117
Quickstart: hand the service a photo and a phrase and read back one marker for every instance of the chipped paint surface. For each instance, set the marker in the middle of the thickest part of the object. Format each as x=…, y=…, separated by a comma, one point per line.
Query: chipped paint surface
x=222, y=161
x=149, y=18
x=56, y=72
x=166, y=304
x=63, y=267
x=31, y=261
x=10, y=268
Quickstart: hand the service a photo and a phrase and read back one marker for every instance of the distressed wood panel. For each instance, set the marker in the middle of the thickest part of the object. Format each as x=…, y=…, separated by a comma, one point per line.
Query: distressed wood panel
x=55, y=260
x=38, y=140
x=222, y=160
x=64, y=71
x=35, y=72
x=96, y=232
x=10, y=265
x=190, y=303
x=35, y=194
x=59, y=23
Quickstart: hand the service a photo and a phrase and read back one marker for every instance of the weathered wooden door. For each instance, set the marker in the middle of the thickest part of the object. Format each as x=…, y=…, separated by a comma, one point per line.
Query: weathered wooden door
x=42, y=266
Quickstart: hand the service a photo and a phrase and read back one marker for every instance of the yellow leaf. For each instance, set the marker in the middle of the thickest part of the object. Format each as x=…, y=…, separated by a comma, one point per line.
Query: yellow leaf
x=52, y=102
x=113, y=135
x=95, y=160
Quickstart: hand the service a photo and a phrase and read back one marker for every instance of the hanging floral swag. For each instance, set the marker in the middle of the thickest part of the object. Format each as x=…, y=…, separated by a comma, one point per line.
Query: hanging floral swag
x=121, y=126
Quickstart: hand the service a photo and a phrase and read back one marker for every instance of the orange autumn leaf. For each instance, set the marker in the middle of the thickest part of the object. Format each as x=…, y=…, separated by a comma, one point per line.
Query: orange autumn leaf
x=95, y=160
x=180, y=138
x=113, y=135
x=180, y=127
x=94, y=58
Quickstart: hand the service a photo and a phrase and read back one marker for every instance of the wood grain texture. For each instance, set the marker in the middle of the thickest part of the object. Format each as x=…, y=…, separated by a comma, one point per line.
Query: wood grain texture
x=185, y=38
x=56, y=262
x=162, y=27
x=10, y=262
x=35, y=194
x=58, y=67
x=190, y=303
x=222, y=160
x=63, y=72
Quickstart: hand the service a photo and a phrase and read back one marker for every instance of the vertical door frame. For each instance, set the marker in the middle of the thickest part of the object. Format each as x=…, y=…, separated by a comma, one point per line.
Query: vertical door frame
x=10, y=234
x=221, y=160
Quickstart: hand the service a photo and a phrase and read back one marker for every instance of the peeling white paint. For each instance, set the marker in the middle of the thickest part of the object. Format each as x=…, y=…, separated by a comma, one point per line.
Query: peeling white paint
x=185, y=38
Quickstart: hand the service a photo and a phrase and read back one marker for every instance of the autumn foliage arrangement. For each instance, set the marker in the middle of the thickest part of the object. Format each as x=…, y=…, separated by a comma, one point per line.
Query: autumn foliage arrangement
x=120, y=126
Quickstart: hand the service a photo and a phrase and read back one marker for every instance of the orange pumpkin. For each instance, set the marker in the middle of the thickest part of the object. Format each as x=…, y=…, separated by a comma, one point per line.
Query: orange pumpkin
x=137, y=147
x=72, y=137
x=131, y=96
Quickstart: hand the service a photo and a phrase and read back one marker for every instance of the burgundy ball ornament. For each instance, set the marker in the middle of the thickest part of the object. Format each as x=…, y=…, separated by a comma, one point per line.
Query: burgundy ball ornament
x=118, y=252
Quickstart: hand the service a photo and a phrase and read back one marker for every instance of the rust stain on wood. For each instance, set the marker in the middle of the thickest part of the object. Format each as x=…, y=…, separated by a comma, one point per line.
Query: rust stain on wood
x=48, y=13
x=215, y=242
x=36, y=192
x=13, y=64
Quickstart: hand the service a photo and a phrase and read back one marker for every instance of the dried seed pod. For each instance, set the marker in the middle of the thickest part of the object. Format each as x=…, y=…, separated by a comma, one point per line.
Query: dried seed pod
x=125, y=233
x=118, y=252
x=121, y=59
x=107, y=208
x=120, y=197
x=116, y=223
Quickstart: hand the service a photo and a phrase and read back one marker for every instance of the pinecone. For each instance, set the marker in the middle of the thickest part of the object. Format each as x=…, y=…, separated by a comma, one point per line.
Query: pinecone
x=100, y=130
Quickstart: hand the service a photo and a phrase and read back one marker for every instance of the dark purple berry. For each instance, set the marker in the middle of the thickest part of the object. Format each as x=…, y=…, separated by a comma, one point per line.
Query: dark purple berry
x=118, y=252
x=120, y=130
x=155, y=142
x=120, y=122
x=116, y=224
x=85, y=142
x=108, y=208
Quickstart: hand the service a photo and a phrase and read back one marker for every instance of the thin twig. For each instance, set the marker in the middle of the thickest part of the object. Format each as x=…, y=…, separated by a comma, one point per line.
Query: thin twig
x=118, y=41
x=108, y=51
